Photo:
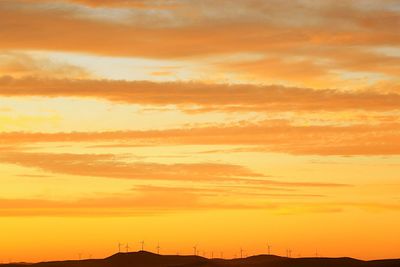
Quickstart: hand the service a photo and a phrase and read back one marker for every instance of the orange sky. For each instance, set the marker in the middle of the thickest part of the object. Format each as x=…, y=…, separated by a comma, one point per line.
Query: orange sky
x=227, y=124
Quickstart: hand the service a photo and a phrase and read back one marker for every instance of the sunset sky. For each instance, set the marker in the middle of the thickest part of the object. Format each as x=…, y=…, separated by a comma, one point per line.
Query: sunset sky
x=226, y=124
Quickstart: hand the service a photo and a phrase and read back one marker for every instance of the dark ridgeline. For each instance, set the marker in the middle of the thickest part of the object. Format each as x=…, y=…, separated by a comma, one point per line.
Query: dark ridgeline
x=148, y=259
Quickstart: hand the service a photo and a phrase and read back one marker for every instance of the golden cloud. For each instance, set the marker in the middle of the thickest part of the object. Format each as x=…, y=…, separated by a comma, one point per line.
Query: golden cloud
x=356, y=139
x=222, y=97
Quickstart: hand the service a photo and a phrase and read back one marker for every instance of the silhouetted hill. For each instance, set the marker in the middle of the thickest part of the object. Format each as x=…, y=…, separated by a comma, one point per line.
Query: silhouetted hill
x=148, y=259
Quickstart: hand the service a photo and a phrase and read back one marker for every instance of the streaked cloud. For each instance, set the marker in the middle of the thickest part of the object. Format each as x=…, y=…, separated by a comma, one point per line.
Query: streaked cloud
x=112, y=166
x=202, y=31
x=380, y=139
x=108, y=165
x=224, y=97
x=159, y=203
x=20, y=64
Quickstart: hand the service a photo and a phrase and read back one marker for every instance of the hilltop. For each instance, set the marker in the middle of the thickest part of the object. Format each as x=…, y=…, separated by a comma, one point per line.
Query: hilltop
x=148, y=259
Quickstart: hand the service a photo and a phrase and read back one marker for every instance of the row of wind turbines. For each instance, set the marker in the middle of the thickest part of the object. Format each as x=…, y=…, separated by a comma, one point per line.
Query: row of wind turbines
x=126, y=248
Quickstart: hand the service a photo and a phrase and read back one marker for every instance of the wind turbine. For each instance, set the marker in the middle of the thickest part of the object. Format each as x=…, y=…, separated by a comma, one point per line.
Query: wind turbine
x=142, y=245
x=269, y=249
x=195, y=250
x=158, y=249
x=241, y=253
x=119, y=247
x=127, y=247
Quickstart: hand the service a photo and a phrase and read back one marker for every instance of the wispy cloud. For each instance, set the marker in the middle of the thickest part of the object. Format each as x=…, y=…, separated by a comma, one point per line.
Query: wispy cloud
x=208, y=97
x=282, y=137
x=161, y=201
x=108, y=165
x=319, y=41
x=201, y=31
x=112, y=166
x=20, y=64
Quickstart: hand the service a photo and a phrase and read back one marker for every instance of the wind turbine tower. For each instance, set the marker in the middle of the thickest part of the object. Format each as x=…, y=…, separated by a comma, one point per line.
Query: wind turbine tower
x=142, y=245
x=127, y=247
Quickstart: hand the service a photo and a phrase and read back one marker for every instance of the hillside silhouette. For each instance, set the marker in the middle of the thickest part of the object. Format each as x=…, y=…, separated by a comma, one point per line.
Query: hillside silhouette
x=148, y=259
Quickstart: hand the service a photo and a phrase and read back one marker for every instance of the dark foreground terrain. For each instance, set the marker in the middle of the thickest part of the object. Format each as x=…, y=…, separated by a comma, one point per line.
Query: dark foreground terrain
x=147, y=259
